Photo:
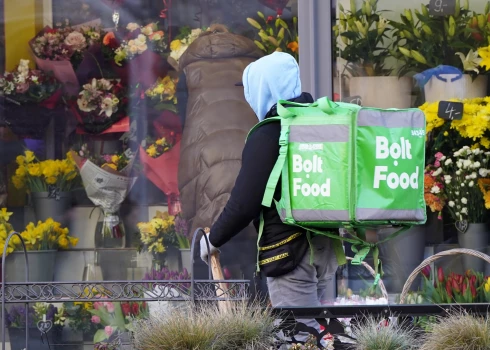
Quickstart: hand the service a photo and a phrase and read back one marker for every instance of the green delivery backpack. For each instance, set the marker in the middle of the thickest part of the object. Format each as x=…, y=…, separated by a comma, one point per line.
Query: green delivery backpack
x=346, y=166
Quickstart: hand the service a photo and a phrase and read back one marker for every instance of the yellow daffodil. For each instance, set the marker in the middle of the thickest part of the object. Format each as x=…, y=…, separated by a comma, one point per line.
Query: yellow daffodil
x=5, y=215
x=29, y=156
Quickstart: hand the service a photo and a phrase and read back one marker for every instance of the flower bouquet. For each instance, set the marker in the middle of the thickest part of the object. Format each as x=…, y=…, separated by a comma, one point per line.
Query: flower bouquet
x=115, y=319
x=48, y=182
x=158, y=233
x=160, y=160
x=137, y=46
x=28, y=100
x=100, y=104
x=68, y=52
x=47, y=235
x=181, y=43
x=107, y=180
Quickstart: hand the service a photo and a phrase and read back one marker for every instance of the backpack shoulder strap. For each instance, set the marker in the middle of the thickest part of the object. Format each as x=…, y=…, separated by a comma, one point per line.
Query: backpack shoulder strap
x=265, y=121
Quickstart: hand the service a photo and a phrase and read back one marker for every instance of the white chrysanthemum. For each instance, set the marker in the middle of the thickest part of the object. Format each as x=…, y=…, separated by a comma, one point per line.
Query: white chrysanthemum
x=471, y=184
x=451, y=204
x=466, y=163
x=458, y=172
x=464, y=211
x=464, y=200
x=476, y=165
x=437, y=172
x=483, y=172
x=448, y=161
x=435, y=189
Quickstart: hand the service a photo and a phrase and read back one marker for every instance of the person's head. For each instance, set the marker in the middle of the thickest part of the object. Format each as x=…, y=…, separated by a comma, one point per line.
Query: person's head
x=269, y=79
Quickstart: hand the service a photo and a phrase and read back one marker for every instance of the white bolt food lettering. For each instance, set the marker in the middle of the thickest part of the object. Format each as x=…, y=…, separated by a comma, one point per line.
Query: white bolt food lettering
x=309, y=166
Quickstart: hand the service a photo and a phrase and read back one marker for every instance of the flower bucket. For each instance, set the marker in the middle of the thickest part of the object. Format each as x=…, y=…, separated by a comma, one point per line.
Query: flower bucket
x=475, y=238
x=41, y=266
x=157, y=308
x=186, y=258
x=51, y=205
x=382, y=92
x=455, y=87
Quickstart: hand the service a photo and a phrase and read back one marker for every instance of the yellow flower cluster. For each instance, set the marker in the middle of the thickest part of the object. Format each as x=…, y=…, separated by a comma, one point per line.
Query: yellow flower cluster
x=164, y=89
x=155, y=233
x=487, y=285
x=5, y=230
x=48, y=235
x=38, y=175
x=158, y=148
x=474, y=124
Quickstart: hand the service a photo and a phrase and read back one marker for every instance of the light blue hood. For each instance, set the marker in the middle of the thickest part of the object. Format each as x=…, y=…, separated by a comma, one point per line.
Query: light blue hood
x=269, y=79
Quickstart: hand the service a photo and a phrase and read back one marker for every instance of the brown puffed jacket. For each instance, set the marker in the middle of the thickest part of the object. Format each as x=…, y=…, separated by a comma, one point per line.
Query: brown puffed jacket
x=217, y=122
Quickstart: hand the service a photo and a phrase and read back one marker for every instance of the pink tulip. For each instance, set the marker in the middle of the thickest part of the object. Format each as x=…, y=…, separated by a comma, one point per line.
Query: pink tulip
x=108, y=330
x=109, y=306
x=95, y=319
x=98, y=305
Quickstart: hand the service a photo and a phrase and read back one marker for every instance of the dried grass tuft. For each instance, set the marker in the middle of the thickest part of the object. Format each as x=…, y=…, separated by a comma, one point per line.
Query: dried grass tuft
x=370, y=335
x=460, y=331
x=246, y=327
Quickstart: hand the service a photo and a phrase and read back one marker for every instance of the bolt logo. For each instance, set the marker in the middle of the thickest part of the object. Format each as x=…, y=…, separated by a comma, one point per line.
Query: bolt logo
x=395, y=151
x=307, y=166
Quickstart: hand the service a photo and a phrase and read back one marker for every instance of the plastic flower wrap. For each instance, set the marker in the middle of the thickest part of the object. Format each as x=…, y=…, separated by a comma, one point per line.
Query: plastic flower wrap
x=160, y=160
x=68, y=52
x=100, y=104
x=47, y=235
x=53, y=176
x=107, y=180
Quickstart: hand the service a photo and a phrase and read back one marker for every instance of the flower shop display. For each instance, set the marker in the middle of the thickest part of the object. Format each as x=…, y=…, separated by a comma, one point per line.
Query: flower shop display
x=362, y=36
x=99, y=105
x=161, y=95
x=29, y=99
x=276, y=34
x=444, y=51
x=42, y=241
x=69, y=52
x=107, y=179
x=114, y=319
x=49, y=183
x=457, y=176
x=52, y=316
x=167, y=290
x=134, y=47
x=180, y=43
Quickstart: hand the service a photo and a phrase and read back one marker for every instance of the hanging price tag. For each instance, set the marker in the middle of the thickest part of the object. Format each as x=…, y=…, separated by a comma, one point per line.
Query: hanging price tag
x=450, y=110
x=442, y=7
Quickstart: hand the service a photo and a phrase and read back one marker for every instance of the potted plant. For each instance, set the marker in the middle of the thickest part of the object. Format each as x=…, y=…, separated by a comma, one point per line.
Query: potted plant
x=460, y=174
x=42, y=241
x=276, y=34
x=167, y=289
x=363, y=43
x=39, y=313
x=443, y=51
x=49, y=183
x=29, y=99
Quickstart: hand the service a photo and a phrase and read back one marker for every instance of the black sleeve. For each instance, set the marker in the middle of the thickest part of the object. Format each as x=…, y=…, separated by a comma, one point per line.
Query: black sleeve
x=258, y=159
x=182, y=96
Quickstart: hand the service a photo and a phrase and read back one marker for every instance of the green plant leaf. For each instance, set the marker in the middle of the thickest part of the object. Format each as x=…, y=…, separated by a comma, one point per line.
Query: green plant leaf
x=100, y=336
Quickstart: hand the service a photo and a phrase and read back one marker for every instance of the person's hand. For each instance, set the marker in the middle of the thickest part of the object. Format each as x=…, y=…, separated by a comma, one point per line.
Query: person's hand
x=204, y=248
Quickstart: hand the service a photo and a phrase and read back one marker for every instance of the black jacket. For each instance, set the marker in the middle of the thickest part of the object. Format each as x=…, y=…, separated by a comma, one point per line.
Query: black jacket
x=258, y=159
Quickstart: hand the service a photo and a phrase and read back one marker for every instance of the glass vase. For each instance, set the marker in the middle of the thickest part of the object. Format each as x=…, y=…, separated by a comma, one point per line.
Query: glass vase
x=110, y=231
